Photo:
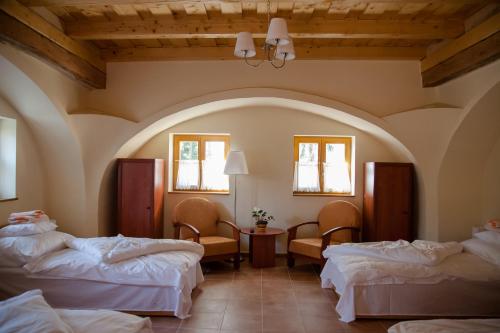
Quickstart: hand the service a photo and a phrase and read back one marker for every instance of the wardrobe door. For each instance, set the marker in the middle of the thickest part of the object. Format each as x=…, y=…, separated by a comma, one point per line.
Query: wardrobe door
x=393, y=196
x=135, y=197
x=388, y=201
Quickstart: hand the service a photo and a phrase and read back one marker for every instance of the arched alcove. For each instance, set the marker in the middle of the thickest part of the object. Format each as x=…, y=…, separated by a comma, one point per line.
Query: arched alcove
x=464, y=174
x=58, y=147
x=236, y=99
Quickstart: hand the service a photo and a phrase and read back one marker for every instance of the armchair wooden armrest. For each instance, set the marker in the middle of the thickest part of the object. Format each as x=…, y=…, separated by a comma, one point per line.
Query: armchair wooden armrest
x=327, y=235
x=236, y=229
x=292, y=231
x=178, y=225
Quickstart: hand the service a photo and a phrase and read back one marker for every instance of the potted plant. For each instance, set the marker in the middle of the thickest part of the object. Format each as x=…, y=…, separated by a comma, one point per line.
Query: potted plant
x=261, y=218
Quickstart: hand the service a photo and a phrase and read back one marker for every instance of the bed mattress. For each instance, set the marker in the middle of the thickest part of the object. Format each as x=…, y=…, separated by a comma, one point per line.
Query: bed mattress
x=436, y=297
x=73, y=293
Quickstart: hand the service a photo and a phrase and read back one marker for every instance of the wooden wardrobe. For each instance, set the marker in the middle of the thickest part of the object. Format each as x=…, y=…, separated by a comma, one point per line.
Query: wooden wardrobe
x=388, y=201
x=140, y=197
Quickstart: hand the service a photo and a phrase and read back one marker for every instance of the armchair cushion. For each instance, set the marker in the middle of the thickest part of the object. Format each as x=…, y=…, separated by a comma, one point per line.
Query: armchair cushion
x=215, y=245
x=339, y=214
x=310, y=247
x=198, y=212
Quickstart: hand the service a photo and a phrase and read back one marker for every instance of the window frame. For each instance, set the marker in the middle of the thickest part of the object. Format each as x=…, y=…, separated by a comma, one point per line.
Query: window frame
x=201, y=139
x=322, y=141
x=8, y=173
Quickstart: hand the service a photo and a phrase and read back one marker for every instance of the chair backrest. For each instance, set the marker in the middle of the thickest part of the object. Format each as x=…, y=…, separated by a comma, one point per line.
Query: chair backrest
x=200, y=213
x=339, y=214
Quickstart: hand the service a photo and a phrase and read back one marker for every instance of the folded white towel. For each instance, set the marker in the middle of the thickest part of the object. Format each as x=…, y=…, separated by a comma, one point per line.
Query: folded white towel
x=35, y=212
x=28, y=219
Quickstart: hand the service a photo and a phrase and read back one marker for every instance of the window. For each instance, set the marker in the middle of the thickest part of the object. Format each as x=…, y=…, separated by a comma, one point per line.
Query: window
x=322, y=165
x=199, y=163
x=7, y=158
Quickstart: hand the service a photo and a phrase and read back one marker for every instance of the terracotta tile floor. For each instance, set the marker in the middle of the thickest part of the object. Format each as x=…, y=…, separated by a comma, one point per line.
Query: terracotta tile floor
x=268, y=300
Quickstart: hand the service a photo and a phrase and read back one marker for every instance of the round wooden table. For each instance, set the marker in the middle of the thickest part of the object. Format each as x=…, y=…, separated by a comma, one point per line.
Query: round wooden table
x=262, y=245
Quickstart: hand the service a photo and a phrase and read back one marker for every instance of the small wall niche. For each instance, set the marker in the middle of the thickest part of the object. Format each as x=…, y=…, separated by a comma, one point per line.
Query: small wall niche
x=7, y=158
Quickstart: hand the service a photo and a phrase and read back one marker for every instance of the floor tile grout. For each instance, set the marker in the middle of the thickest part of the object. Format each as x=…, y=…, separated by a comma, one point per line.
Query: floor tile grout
x=293, y=283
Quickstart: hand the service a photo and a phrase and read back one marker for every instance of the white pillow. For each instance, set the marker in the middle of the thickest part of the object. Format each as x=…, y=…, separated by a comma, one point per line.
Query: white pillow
x=17, y=251
x=85, y=321
x=489, y=227
x=26, y=229
x=488, y=236
x=29, y=312
x=487, y=251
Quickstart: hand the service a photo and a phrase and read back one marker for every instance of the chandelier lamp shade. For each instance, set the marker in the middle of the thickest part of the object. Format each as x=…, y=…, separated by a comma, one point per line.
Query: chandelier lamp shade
x=277, y=33
x=278, y=46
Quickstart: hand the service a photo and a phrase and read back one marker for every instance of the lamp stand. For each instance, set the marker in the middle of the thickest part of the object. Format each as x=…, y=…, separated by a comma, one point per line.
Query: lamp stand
x=234, y=200
x=234, y=207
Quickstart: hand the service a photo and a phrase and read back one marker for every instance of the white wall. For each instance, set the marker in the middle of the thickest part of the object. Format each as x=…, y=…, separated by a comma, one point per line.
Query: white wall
x=139, y=89
x=491, y=185
x=465, y=169
x=30, y=185
x=43, y=96
x=265, y=134
x=79, y=136
x=427, y=140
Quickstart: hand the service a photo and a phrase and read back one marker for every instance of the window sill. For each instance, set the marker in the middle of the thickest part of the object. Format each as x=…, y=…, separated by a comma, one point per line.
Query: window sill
x=9, y=199
x=299, y=194
x=199, y=192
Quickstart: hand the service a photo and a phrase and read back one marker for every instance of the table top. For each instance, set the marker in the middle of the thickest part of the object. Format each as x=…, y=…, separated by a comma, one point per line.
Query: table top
x=267, y=232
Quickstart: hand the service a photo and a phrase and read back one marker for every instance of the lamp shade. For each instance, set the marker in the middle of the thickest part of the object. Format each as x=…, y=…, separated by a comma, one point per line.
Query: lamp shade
x=236, y=163
x=285, y=52
x=244, y=45
x=278, y=32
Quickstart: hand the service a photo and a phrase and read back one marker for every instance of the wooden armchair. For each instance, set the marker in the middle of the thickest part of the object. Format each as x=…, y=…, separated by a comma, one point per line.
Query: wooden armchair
x=196, y=219
x=338, y=222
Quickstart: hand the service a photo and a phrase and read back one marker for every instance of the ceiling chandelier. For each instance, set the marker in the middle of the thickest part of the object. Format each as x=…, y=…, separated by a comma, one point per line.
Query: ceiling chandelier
x=278, y=46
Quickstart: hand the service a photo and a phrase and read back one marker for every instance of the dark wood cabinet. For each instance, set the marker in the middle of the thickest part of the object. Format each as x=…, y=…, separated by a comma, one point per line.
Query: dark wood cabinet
x=140, y=197
x=388, y=201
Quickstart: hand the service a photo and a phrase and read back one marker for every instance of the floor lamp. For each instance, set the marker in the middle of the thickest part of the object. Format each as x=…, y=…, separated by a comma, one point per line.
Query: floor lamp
x=236, y=164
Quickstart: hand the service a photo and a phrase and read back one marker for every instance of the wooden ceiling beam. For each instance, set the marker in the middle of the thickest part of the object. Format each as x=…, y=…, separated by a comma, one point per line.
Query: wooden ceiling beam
x=26, y=16
x=228, y=28
x=18, y=34
x=476, y=48
x=474, y=36
x=478, y=55
x=125, y=2
x=226, y=53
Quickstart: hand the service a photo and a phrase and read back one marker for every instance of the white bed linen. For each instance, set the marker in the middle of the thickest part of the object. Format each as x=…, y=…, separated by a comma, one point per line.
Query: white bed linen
x=447, y=326
x=26, y=229
x=159, y=269
x=104, y=321
x=418, y=252
x=346, y=272
x=17, y=251
x=86, y=294
x=29, y=313
x=114, y=249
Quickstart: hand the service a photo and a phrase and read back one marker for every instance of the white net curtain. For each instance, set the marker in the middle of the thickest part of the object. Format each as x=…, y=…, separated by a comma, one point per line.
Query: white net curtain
x=212, y=167
x=336, y=170
x=214, y=178
x=336, y=175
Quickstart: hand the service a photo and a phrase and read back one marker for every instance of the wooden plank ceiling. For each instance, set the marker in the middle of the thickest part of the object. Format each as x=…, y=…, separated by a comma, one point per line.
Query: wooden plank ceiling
x=148, y=30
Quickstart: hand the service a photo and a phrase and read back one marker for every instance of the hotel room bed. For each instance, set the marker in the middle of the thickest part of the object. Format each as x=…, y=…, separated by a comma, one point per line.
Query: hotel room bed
x=447, y=326
x=463, y=284
x=158, y=283
x=30, y=313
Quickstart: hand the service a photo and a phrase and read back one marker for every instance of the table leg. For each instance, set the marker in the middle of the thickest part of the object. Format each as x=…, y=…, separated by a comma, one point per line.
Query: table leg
x=263, y=251
x=250, y=248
